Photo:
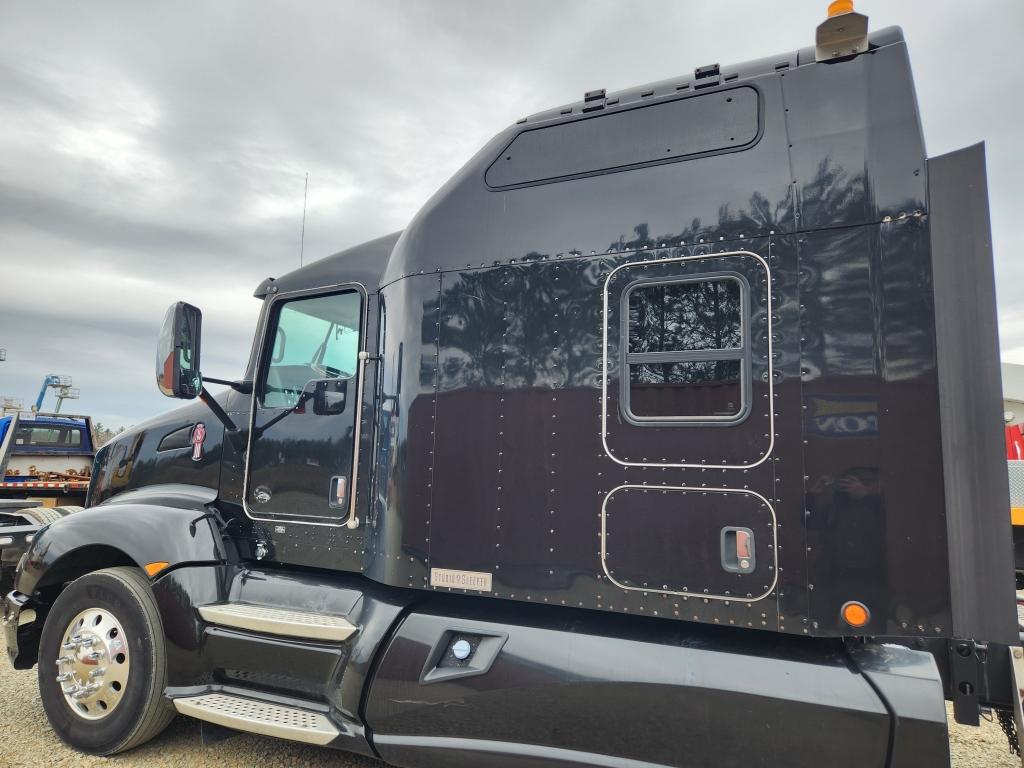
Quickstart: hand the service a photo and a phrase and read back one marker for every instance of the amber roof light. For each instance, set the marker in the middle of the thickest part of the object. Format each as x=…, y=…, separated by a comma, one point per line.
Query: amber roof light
x=840, y=7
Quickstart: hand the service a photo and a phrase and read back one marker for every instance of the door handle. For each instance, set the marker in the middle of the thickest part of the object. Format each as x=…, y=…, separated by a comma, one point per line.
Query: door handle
x=738, y=553
x=336, y=493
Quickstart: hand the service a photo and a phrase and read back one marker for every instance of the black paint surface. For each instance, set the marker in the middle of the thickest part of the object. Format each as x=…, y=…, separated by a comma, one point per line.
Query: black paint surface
x=487, y=444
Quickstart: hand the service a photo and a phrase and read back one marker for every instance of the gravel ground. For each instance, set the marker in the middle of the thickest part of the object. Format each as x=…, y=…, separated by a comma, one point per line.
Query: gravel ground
x=26, y=740
x=981, y=747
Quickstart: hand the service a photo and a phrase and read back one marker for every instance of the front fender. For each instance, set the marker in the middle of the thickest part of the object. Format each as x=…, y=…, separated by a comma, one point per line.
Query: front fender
x=155, y=524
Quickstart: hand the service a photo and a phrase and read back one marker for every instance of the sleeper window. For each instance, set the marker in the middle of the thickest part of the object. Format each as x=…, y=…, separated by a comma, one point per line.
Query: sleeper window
x=687, y=353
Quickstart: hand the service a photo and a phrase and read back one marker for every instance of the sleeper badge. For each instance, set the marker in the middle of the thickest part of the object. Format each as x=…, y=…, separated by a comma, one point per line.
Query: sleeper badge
x=197, y=438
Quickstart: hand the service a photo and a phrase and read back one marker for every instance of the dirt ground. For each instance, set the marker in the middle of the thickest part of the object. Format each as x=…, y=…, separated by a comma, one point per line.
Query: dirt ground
x=26, y=740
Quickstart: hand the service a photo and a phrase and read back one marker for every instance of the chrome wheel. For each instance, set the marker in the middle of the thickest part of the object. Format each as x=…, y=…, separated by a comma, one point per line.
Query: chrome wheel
x=94, y=665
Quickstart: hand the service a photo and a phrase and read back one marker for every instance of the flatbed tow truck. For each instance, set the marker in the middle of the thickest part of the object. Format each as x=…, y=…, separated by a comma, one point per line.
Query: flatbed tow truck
x=46, y=455
x=666, y=434
x=45, y=466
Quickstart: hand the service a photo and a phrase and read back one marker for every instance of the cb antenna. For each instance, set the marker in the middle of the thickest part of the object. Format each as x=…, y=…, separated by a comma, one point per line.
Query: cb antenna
x=302, y=238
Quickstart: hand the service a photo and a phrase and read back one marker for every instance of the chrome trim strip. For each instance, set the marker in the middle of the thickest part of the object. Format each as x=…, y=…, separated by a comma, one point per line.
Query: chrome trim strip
x=278, y=621
x=703, y=595
x=684, y=425
x=262, y=717
x=265, y=320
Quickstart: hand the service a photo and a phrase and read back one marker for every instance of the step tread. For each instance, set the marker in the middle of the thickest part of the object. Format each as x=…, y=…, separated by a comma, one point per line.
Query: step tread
x=278, y=621
x=254, y=716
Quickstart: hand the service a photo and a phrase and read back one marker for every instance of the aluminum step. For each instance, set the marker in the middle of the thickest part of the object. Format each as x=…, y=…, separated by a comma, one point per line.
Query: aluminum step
x=278, y=621
x=261, y=717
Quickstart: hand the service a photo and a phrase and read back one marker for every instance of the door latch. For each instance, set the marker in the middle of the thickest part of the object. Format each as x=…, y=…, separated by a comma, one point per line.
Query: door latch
x=738, y=555
x=337, y=493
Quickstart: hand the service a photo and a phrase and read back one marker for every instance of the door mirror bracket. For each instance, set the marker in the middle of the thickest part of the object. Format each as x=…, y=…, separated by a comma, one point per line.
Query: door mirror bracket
x=219, y=412
x=245, y=386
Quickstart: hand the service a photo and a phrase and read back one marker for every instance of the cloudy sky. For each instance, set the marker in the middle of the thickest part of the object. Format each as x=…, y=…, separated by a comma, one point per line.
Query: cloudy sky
x=154, y=152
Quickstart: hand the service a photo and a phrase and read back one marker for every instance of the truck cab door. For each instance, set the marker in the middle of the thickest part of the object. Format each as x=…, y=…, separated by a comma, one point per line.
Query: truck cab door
x=301, y=457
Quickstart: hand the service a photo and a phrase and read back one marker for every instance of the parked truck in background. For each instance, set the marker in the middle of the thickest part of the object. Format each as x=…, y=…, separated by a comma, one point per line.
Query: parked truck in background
x=46, y=455
x=45, y=465
x=665, y=434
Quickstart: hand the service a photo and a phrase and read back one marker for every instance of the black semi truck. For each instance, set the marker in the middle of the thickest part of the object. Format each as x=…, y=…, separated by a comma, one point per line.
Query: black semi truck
x=668, y=433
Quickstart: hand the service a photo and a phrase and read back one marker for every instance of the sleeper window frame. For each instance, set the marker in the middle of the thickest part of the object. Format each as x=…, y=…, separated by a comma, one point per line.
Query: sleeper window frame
x=629, y=358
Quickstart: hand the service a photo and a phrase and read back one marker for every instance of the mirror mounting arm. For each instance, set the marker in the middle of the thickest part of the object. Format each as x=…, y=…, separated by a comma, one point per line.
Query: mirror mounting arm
x=219, y=412
x=245, y=387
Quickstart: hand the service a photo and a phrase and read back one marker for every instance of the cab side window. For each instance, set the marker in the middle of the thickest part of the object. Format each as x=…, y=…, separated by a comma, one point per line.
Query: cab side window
x=313, y=339
x=686, y=358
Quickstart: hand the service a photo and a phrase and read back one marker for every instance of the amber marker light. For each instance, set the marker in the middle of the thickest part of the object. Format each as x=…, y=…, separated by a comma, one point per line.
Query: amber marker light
x=839, y=7
x=152, y=569
x=855, y=614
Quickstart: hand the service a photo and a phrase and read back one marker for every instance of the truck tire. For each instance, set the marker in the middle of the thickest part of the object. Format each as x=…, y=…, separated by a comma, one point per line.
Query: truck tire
x=103, y=663
x=67, y=510
x=40, y=515
x=46, y=515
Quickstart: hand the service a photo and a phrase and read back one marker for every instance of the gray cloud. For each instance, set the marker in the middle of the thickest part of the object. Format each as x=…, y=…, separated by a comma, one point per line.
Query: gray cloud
x=150, y=153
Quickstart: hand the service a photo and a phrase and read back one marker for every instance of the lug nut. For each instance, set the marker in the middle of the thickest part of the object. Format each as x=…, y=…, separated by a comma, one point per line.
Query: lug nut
x=93, y=656
x=64, y=677
x=98, y=672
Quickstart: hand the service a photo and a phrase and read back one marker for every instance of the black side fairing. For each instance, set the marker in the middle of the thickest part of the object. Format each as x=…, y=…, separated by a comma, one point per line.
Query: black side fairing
x=974, y=469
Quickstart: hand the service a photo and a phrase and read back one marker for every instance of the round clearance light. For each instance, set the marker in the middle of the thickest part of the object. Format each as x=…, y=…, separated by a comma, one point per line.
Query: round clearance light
x=855, y=614
x=461, y=649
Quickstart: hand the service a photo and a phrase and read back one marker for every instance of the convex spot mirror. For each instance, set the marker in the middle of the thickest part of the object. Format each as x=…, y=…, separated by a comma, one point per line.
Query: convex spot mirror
x=177, y=352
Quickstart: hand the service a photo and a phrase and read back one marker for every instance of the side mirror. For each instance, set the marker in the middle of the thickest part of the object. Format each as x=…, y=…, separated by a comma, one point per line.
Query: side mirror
x=328, y=396
x=177, y=352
